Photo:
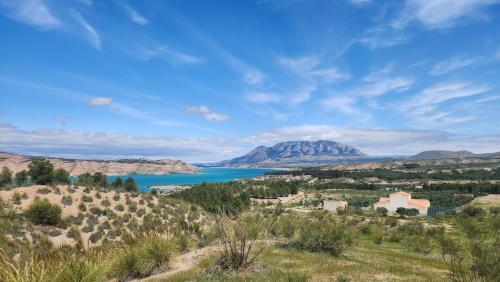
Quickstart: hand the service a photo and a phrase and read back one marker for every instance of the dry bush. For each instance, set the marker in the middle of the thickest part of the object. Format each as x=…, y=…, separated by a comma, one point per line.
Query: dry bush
x=242, y=240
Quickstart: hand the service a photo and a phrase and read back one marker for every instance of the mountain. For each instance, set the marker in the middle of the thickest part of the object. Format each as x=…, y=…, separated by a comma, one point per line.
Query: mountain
x=115, y=167
x=433, y=155
x=296, y=152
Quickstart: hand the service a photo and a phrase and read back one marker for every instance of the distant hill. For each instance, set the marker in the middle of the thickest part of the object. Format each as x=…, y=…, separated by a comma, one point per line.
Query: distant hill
x=490, y=155
x=114, y=167
x=296, y=152
x=439, y=154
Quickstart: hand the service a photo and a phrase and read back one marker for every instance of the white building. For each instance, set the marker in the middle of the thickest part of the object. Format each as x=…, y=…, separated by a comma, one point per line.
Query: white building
x=403, y=200
x=334, y=205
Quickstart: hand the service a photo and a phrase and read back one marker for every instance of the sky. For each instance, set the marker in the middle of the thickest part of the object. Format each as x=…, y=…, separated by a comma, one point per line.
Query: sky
x=210, y=80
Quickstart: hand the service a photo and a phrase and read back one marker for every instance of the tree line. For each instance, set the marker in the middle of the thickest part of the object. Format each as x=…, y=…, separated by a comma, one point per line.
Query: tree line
x=391, y=175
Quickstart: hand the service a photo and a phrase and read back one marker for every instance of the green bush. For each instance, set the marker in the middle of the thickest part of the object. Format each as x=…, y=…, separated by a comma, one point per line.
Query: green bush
x=43, y=212
x=473, y=211
x=382, y=211
x=326, y=235
x=67, y=200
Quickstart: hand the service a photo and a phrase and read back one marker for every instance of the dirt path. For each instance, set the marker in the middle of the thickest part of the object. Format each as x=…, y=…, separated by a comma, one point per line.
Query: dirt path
x=182, y=263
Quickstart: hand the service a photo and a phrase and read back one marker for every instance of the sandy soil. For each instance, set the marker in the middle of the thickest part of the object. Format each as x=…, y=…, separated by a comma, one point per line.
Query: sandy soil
x=182, y=263
x=55, y=196
x=489, y=199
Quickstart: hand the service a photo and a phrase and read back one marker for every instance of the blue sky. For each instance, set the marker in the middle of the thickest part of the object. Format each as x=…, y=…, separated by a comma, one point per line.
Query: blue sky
x=209, y=80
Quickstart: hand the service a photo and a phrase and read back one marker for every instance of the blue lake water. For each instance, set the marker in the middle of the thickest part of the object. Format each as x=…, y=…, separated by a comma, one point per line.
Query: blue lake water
x=208, y=175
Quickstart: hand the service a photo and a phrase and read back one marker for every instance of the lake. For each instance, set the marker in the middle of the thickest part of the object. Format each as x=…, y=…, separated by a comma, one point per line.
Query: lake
x=208, y=175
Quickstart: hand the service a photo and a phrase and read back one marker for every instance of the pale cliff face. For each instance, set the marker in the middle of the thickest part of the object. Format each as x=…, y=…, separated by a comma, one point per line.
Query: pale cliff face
x=120, y=167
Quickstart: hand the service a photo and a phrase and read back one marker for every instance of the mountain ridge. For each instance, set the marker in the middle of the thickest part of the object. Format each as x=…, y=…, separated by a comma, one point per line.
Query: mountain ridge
x=295, y=151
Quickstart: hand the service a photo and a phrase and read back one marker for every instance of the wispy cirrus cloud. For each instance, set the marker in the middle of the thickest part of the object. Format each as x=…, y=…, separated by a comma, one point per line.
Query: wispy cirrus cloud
x=168, y=54
x=452, y=64
x=207, y=113
x=308, y=68
x=99, y=101
x=442, y=13
x=382, y=37
x=360, y=2
x=134, y=15
x=32, y=12
x=427, y=107
x=92, y=34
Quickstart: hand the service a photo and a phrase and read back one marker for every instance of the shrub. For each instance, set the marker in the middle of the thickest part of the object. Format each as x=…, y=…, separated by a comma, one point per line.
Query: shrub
x=391, y=221
x=473, y=211
x=16, y=198
x=106, y=203
x=95, y=237
x=88, y=229
x=119, y=207
x=67, y=200
x=82, y=207
x=55, y=232
x=148, y=254
x=326, y=235
x=239, y=241
x=97, y=211
x=408, y=212
x=418, y=244
x=87, y=199
x=382, y=211
x=140, y=212
x=43, y=191
x=495, y=210
x=43, y=212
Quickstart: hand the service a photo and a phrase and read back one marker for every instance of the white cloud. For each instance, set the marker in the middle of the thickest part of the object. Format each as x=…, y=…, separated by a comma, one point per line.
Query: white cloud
x=102, y=145
x=452, y=64
x=32, y=12
x=207, y=113
x=135, y=16
x=382, y=37
x=379, y=73
x=263, y=98
x=442, y=13
x=360, y=2
x=92, y=34
x=343, y=104
x=446, y=91
x=308, y=68
x=253, y=77
x=426, y=108
x=385, y=85
x=169, y=54
x=99, y=101
x=105, y=145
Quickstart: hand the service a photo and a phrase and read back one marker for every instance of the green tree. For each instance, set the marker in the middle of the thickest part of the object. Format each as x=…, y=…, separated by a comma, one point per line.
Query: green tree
x=130, y=185
x=61, y=176
x=100, y=179
x=118, y=182
x=5, y=177
x=21, y=178
x=41, y=171
x=43, y=212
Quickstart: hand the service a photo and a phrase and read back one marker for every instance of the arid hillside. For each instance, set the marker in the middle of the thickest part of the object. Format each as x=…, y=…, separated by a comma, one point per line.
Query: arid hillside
x=117, y=167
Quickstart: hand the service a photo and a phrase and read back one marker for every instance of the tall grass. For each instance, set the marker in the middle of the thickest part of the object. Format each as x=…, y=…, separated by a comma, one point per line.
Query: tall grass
x=152, y=253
